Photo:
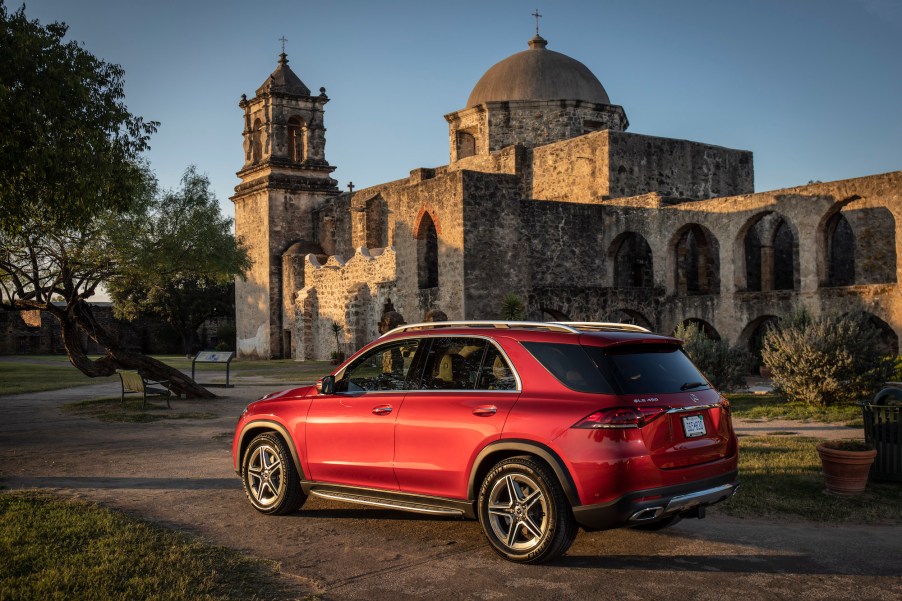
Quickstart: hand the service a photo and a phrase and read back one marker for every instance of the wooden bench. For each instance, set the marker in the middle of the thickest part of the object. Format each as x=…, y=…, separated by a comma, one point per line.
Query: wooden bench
x=134, y=382
x=214, y=357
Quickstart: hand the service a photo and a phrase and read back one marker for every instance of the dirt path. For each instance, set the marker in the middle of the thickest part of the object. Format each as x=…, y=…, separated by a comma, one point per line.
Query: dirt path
x=178, y=472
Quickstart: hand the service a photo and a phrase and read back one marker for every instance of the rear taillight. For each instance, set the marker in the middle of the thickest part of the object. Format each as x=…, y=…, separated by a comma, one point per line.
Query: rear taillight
x=620, y=417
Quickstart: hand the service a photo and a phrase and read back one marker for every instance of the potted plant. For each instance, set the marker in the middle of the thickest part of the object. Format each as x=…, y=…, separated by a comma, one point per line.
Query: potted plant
x=846, y=464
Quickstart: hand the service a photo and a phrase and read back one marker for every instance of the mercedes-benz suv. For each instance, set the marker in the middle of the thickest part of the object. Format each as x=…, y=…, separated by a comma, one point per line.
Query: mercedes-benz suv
x=534, y=429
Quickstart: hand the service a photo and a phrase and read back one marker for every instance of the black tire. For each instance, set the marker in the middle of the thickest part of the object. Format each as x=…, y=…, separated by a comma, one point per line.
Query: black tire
x=270, y=480
x=536, y=527
x=660, y=524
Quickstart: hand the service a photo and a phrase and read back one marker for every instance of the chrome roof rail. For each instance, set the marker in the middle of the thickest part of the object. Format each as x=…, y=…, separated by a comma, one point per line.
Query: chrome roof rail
x=573, y=327
x=539, y=325
x=603, y=326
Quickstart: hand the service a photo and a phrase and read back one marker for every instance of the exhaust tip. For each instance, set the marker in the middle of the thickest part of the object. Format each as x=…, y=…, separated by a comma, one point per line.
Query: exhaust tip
x=647, y=514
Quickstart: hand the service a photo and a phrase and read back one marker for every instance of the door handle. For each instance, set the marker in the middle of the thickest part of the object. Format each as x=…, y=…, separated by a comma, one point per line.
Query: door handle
x=382, y=409
x=486, y=411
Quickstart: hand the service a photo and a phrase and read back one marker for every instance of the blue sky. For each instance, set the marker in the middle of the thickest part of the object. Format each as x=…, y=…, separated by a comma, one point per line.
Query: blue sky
x=812, y=87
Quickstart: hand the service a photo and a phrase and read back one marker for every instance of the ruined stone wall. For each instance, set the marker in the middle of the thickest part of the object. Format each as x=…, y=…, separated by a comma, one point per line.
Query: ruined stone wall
x=640, y=164
x=496, y=256
x=874, y=206
x=611, y=164
x=348, y=293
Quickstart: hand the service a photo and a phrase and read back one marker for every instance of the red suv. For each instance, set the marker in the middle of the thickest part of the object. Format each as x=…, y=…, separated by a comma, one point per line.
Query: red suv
x=534, y=429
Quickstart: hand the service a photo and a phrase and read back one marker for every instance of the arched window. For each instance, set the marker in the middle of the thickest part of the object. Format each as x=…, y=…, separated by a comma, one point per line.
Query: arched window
x=257, y=141
x=427, y=253
x=633, y=266
x=753, y=336
x=696, y=261
x=296, y=140
x=771, y=254
x=840, y=246
x=376, y=222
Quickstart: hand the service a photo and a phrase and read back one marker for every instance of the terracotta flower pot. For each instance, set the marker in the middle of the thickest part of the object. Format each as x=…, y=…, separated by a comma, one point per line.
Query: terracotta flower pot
x=845, y=471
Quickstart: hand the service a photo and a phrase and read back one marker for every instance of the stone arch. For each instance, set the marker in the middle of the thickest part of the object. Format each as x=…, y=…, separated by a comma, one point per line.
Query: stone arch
x=632, y=261
x=257, y=141
x=888, y=339
x=629, y=316
x=426, y=234
x=376, y=222
x=554, y=314
x=695, y=254
x=297, y=140
x=768, y=249
x=753, y=338
x=706, y=328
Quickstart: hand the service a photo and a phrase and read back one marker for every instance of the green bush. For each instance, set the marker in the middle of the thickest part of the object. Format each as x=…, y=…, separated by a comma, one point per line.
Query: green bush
x=725, y=366
x=828, y=360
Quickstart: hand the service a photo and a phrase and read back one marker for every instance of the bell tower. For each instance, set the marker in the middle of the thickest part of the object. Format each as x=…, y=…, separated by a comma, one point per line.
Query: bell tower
x=284, y=179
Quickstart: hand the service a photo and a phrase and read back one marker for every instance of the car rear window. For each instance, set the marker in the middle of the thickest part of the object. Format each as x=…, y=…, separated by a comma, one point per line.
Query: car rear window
x=570, y=364
x=648, y=368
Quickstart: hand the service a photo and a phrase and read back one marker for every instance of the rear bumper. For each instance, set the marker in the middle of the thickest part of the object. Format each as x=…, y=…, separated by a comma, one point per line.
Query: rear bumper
x=637, y=508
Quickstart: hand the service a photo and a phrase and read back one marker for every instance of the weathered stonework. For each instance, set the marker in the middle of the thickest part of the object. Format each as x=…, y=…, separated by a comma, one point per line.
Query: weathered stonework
x=580, y=224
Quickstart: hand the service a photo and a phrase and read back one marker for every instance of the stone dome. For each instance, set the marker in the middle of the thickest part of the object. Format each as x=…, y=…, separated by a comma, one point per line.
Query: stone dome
x=538, y=74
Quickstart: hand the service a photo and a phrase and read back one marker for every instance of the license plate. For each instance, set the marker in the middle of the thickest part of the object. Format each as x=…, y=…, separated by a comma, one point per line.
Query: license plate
x=693, y=425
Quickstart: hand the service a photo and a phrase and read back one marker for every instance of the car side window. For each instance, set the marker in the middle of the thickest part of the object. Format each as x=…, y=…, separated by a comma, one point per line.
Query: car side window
x=386, y=367
x=495, y=373
x=452, y=363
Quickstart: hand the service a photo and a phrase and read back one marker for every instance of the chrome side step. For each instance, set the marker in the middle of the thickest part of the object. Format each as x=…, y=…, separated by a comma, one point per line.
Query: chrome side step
x=348, y=497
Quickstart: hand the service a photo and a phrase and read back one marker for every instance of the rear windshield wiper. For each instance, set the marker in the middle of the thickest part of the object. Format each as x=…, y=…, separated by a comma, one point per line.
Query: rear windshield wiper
x=689, y=385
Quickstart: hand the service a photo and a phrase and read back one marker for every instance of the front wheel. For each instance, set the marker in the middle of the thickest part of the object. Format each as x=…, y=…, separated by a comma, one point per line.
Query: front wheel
x=524, y=512
x=270, y=480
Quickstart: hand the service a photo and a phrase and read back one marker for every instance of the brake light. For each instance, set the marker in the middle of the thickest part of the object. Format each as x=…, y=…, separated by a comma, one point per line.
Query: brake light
x=620, y=417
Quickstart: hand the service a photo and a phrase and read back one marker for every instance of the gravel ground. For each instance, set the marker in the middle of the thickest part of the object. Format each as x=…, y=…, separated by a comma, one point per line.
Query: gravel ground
x=178, y=473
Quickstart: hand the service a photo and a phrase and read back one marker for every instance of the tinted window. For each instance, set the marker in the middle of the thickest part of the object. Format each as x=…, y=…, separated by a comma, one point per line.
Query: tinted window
x=386, y=367
x=570, y=364
x=465, y=364
x=644, y=369
x=495, y=373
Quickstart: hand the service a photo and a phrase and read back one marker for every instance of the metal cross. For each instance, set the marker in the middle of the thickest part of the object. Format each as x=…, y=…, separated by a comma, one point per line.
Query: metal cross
x=283, y=39
x=537, y=15
x=350, y=186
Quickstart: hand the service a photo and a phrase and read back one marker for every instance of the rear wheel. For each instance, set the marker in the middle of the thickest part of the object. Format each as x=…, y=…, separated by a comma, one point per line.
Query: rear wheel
x=524, y=512
x=270, y=480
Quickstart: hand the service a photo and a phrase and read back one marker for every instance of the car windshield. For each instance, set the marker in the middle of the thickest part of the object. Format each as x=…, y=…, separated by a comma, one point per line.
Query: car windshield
x=649, y=368
x=631, y=369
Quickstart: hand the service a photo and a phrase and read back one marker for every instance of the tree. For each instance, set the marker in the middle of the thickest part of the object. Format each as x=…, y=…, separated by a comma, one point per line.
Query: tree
x=69, y=145
x=725, y=366
x=69, y=169
x=826, y=360
x=177, y=259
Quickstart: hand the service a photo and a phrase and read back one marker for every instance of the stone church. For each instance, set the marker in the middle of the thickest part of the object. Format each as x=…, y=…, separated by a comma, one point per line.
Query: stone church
x=548, y=197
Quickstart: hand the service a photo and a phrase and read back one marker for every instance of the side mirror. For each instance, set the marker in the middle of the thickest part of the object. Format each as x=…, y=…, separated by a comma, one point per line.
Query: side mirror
x=326, y=385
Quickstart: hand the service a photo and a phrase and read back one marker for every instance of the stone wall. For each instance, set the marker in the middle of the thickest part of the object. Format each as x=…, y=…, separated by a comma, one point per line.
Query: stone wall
x=612, y=164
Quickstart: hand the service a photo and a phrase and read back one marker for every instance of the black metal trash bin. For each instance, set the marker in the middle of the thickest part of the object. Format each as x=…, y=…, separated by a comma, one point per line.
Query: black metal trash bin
x=883, y=429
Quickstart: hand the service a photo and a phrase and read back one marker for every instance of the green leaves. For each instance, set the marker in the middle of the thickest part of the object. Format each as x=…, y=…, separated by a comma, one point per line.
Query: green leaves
x=826, y=360
x=723, y=365
x=69, y=147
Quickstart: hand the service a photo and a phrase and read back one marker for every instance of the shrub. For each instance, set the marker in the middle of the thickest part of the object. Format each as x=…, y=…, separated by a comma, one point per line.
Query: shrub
x=725, y=366
x=828, y=360
x=512, y=308
x=225, y=335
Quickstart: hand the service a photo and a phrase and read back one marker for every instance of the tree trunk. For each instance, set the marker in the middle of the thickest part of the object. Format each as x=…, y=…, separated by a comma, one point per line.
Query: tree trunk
x=78, y=317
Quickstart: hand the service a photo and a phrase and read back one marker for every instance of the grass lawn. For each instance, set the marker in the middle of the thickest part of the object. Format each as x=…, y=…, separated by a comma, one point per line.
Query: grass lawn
x=34, y=373
x=18, y=377
x=771, y=406
x=54, y=548
x=781, y=476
